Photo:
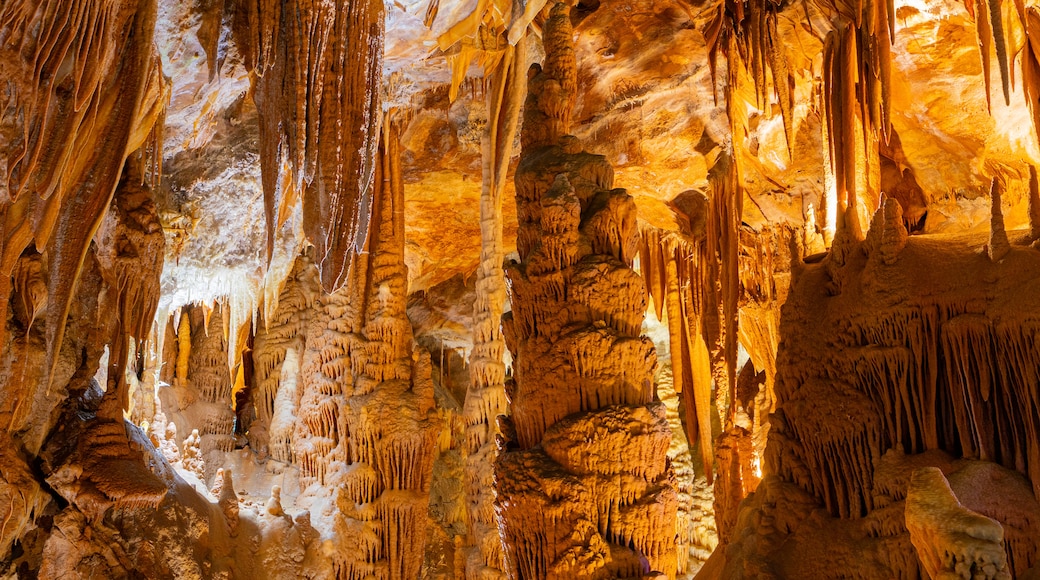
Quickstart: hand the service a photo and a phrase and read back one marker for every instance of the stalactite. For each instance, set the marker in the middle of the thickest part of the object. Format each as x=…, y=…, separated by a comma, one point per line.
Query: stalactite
x=992, y=38
x=673, y=271
x=1029, y=17
x=76, y=125
x=750, y=25
x=316, y=76
x=724, y=218
x=582, y=394
x=183, y=347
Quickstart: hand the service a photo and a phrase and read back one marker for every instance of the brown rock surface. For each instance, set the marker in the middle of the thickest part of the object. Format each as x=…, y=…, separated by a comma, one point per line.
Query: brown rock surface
x=226, y=226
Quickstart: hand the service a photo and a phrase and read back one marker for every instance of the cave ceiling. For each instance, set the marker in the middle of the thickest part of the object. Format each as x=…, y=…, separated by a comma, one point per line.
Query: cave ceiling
x=647, y=103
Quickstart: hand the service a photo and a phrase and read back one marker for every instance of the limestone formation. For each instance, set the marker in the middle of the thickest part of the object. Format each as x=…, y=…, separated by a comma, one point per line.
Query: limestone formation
x=951, y=540
x=276, y=361
x=314, y=70
x=800, y=343
x=486, y=399
x=582, y=393
x=353, y=409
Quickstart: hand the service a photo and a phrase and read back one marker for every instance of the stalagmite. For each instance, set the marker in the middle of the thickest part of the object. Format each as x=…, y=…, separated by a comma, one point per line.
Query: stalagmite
x=998, y=246
x=366, y=420
x=227, y=499
x=274, y=504
x=276, y=374
x=204, y=401
x=581, y=394
x=485, y=398
x=887, y=235
x=951, y=540
x=1034, y=204
x=191, y=456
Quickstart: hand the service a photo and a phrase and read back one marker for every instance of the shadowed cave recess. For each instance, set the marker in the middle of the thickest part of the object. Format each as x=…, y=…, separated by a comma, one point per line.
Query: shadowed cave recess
x=519, y=289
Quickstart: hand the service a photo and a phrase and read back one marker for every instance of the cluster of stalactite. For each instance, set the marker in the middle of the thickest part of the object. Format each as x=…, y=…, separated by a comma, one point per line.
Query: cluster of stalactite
x=489, y=34
x=946, y=368
x=86, y=92
x=675, y=267
x=80, y=249
x=582, y=394
x=673, y=278
x=316, y=68
x=854, y=100
x=995, y=29
x=745, y=31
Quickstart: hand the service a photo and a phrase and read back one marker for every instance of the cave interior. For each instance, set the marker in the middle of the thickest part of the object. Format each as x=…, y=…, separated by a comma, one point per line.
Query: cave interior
x=519, y=289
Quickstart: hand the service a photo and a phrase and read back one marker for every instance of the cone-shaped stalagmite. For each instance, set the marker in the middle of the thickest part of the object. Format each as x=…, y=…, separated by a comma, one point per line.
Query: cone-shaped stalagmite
x=998, y=239
x=584, y=486
x=366, y=425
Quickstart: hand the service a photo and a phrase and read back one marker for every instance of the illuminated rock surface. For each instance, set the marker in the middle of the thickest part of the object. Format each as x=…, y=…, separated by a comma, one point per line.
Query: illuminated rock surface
x=348, y=289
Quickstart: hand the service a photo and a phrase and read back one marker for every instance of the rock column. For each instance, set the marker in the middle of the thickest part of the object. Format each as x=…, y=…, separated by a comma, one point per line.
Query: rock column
x=584, y=485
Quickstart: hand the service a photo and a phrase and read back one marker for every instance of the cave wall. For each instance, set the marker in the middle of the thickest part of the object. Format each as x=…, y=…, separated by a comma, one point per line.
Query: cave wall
x=255, y=276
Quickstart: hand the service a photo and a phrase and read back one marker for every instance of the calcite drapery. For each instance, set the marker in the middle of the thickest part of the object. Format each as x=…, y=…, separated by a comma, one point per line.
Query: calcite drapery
x=584, y=486
x=83, y=92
